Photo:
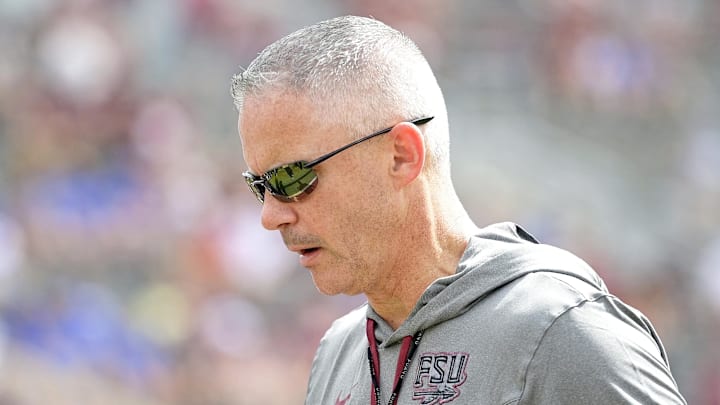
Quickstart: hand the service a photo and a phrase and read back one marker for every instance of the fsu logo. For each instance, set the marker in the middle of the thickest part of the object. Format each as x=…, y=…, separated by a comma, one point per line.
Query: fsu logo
x=439, y=376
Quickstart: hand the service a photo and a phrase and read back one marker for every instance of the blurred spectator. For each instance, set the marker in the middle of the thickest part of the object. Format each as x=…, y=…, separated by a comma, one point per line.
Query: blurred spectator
x=12, y=253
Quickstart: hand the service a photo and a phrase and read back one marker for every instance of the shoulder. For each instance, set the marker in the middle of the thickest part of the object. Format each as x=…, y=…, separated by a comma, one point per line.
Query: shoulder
x=540, y=297
x=344, y=333
x=559, y=309
x=345, y=326
x=596, y=348
x=335, y=363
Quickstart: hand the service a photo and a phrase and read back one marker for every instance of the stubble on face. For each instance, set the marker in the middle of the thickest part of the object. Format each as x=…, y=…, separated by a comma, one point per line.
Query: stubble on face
x=346, y=215
x=368, y=232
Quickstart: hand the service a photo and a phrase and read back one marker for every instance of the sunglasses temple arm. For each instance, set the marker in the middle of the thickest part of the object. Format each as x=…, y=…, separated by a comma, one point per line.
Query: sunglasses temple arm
x=323, y=158
x=335, y=152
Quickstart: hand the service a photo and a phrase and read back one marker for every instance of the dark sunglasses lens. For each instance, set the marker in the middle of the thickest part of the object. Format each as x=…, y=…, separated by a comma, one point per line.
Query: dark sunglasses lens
x=290, y=182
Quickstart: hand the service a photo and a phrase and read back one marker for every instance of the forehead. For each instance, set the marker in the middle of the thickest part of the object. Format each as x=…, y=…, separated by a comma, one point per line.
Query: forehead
x=278, y=127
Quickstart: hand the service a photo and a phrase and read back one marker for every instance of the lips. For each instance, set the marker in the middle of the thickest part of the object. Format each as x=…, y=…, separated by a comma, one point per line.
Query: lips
x=307, y=251
x=309, y=256
x=302, y=250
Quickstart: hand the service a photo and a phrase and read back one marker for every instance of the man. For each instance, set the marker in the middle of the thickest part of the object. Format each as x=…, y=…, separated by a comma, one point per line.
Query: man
x=345, y=134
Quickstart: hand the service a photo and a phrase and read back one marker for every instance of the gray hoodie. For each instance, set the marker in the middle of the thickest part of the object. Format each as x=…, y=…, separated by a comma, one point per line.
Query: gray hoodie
x=519, y=323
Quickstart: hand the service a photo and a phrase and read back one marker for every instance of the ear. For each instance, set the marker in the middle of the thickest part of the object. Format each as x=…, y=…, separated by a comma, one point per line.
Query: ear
x=408, y=153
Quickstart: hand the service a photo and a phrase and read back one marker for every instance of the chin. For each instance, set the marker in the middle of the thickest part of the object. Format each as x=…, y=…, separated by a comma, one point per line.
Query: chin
x=334, y=287
x=331, y=290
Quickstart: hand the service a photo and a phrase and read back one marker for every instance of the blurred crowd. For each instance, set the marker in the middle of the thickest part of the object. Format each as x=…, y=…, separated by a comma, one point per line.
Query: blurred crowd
x=134, y=270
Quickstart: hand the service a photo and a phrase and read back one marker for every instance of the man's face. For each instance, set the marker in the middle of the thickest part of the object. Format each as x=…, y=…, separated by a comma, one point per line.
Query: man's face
x=343, y=230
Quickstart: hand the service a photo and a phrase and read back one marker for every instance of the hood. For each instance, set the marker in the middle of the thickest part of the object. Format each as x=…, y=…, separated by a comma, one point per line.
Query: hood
x=494, y=257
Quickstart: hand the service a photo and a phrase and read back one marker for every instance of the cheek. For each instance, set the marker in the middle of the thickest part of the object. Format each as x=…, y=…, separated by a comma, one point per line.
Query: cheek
x=354, y=202
x=365, y=215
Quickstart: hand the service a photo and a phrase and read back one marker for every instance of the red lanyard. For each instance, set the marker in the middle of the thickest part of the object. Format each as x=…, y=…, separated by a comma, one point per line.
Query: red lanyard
x=409, y=344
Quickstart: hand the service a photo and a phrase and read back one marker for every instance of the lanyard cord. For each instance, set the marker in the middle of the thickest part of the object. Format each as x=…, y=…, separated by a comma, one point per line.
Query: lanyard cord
x=409, y=344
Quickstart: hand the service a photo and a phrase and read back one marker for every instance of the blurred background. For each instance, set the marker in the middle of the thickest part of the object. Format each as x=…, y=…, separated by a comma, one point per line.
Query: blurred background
x=133, y=269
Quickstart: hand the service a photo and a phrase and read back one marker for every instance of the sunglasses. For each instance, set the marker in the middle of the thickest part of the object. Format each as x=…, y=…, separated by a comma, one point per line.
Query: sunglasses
x=294, y=181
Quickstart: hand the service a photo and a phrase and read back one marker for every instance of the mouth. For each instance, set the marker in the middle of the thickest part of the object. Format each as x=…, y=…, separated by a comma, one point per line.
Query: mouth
x=309, y=256
x=308, y=251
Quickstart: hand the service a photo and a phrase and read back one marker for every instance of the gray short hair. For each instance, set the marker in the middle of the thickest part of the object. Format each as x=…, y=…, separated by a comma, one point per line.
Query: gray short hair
x=362, y=71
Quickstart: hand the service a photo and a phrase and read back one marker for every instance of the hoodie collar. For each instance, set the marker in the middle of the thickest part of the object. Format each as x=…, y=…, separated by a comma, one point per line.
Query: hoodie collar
x=494, y=257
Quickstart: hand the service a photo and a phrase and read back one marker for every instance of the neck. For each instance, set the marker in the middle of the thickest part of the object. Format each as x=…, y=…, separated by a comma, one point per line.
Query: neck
x=437, y=247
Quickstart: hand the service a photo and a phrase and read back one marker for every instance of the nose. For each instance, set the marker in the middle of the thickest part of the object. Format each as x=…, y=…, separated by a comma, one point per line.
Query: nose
x=276, y=213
